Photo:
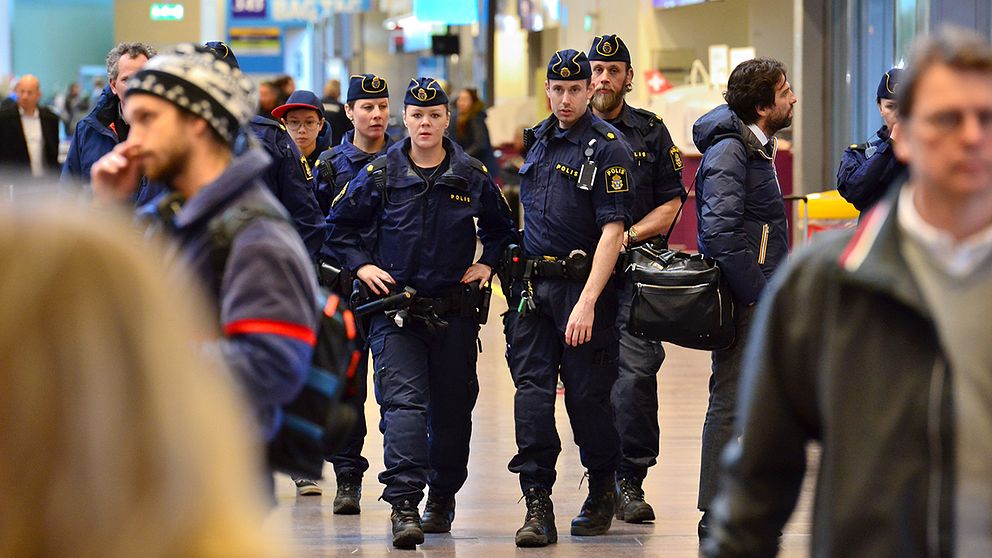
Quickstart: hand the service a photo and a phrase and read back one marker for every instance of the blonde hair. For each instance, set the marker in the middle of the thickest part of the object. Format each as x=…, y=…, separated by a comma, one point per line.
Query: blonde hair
x=118, y=437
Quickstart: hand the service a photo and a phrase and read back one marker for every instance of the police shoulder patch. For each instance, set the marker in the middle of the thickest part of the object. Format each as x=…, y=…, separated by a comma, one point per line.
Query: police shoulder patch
x=676, y=154
x=605, y=130
x=617, y=180
x=478, y=165
x=307, y=173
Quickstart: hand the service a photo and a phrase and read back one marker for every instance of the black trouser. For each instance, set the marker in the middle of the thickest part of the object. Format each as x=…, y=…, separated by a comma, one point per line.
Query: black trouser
x=635, y=395
x=537, y=354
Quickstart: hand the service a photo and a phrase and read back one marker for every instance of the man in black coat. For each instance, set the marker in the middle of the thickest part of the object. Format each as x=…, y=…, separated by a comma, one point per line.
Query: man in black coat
x=29, y=134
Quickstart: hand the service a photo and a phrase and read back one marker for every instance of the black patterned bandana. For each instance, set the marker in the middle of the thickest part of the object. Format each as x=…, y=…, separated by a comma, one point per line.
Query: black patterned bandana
x=195, y=80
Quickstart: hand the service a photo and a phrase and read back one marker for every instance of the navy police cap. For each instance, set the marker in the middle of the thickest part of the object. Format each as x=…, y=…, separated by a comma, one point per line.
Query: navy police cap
x=425, y=92
x=609, y=48
x=888, y=85
x=569, y=65
x=367, y=86
x=223, y=52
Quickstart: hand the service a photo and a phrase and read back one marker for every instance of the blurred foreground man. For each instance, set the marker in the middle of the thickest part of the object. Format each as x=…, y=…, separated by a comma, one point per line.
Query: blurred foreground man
x=876, y=345
x=185, y=111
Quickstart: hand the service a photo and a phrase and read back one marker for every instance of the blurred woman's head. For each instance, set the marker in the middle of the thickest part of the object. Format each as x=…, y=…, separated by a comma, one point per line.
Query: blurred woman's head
x=119, y=438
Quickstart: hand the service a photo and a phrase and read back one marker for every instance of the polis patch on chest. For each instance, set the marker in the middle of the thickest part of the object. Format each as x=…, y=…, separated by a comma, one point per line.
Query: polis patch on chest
x=617, y=180
x=460, y=198
x=567, y=171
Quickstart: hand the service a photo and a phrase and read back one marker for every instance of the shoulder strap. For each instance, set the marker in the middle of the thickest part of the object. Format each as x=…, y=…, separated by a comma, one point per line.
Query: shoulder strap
x=478, y=165
x=604, y=130
x=225, y=227
x=678, y=213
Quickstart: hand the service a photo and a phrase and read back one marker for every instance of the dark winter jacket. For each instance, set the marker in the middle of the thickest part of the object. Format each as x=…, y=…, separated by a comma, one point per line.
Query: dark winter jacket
x=741, y=216
x=867, y=170
x=95, y=136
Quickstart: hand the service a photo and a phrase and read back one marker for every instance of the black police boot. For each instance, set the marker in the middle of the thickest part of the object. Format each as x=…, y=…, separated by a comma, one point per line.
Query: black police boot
x=539, y=524
x=596, y=514
x=346, y=501
x=631, y=506
x=439, y=512
x=407, y=532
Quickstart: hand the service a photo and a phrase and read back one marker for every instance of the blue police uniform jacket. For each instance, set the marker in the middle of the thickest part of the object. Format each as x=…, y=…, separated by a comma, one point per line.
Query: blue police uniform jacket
x=867, y=170
x=423, y=237
x=93, y=138
x=740, y=213
x=658, y=162
x=558, y=215
x=266, y=298
x=337, y=166
x=291, y=180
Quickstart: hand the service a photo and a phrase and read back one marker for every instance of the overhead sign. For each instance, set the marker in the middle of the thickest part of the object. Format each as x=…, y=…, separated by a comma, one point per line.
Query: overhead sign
x=167, y=12
x=315, y=10
x=244, y=9
x=446, y=12
x=256, y=41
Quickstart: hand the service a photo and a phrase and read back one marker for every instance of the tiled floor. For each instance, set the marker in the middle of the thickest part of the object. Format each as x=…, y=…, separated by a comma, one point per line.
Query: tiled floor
x=488, y=511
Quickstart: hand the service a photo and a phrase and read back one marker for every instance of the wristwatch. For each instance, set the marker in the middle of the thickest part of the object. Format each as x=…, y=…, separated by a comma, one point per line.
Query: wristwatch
x=632, y=234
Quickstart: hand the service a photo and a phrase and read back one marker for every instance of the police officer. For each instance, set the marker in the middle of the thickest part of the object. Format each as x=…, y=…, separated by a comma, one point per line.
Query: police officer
x=368, y=107
x=422, y=198
x=867, y=169
x=289, y=176
x=576, y=186
x=659, y=193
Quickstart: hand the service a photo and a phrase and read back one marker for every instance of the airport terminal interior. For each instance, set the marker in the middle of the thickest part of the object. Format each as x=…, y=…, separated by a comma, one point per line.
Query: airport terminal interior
x=682, y=53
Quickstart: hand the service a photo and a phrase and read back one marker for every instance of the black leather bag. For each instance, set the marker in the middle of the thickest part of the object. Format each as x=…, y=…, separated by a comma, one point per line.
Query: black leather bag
x=679, y=297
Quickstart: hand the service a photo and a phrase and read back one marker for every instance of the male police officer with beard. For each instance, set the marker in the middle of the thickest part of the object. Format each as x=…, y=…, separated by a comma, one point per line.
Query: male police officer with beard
x=575, y=188
x=658, y=174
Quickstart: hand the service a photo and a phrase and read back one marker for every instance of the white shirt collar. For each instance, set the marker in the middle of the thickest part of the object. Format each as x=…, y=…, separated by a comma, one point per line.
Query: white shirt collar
x=37, y=112
x=958, y=259
x=758, y=133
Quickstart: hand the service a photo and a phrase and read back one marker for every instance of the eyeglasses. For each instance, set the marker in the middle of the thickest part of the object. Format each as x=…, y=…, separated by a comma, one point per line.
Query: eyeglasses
x=297, y=124
x=951, y=121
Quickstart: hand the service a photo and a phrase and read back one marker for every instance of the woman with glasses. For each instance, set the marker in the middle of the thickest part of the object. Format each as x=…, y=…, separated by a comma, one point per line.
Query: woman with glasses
x=303, y=117
x=408, y=221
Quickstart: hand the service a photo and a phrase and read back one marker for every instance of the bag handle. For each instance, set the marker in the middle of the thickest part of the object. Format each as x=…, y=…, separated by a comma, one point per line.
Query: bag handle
x=678, y=213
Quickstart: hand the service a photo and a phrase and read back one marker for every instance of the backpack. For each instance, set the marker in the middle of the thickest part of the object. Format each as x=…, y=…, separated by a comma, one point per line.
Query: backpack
x=318, y=421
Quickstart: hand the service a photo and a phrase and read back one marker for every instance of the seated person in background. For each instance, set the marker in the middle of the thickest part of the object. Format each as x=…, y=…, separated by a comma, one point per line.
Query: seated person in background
x=867, y=169
x=127, y=441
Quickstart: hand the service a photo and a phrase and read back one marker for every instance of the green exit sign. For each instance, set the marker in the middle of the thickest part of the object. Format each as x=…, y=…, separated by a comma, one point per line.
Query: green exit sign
x=167, y=12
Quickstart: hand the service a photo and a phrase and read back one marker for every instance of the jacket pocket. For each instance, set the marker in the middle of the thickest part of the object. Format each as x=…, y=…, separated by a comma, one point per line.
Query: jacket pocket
x=763, y=247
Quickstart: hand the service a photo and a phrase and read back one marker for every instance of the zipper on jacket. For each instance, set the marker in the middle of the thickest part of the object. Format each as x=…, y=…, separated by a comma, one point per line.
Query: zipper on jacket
x=934, y=420
x=763, y=249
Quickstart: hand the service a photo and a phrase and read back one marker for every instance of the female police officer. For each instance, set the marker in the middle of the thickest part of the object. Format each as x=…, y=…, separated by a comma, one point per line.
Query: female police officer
x=407, y=220
x=368, y=109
